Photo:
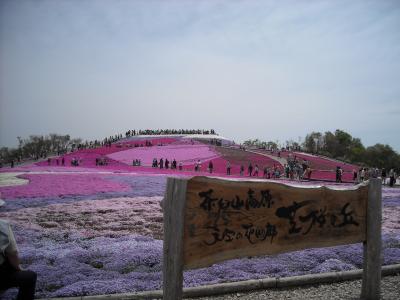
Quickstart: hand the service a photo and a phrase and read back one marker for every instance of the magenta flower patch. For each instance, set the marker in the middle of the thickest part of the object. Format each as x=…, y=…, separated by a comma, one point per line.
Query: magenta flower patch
x=185, y=153
x=53, y=185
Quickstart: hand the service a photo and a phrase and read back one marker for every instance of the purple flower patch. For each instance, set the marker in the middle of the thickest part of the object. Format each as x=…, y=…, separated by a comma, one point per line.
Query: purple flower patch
x=105, y=237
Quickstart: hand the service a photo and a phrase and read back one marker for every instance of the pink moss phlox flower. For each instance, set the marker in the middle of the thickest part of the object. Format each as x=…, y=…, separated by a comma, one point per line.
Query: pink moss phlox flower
x=54, y=185
x=185, y=153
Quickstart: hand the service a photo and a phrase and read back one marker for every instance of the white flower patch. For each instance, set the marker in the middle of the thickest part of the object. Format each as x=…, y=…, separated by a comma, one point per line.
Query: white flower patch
x=11, y=179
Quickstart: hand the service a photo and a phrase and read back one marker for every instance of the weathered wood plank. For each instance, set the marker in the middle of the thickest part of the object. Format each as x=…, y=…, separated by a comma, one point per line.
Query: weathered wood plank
x=174, y=205
x=230, y=219
x=371, y=283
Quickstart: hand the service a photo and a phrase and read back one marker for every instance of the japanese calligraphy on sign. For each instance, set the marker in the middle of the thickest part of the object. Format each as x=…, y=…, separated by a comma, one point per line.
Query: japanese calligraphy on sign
x=229, y=219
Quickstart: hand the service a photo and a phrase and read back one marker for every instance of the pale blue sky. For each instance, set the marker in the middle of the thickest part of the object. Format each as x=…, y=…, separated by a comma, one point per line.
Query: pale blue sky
x=250, y=69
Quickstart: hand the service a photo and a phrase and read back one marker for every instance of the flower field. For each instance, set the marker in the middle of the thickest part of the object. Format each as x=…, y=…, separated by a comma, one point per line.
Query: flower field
x=186, y=153
x=101, y=233
x=91, y=229
x=237, y=157
x=120, y=156
x=323, y=168
x=53, y=185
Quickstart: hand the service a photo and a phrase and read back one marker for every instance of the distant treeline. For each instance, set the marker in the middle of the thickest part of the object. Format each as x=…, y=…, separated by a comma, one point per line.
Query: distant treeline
x=341, y=145
x=38, y=146
x=272, y=146
x=338, y=145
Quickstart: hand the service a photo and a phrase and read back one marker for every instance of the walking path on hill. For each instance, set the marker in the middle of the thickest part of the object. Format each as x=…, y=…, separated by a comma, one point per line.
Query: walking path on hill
x=280, y=160
x=325, y=157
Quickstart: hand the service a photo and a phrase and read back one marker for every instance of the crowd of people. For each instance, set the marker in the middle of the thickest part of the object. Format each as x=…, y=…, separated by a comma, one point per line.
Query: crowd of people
x=136, y=162
x=76, y=161
x=101, y=161
x=367, y=173
x=297, y=168
x=61, y=161
x=134, y=132
x=166, y=164
x=108, y=141
x=57, y=161
x=252, y=171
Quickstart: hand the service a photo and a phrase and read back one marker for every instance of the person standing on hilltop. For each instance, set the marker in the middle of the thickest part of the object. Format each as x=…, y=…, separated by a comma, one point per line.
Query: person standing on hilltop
x=166, y=163
x=391, y=177
x=355, y=173
x=362, y=175
x=210, y=166
x=256, y=170
x=337, y=173
x=161, y=163
x=174, y=164
x=309, y=172
x=228, y=168
x=241, y=170
x=250, y=169
x=383, y=176
x=265, y=172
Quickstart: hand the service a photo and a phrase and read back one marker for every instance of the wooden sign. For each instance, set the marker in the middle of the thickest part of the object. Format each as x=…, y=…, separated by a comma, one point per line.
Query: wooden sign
x=207, y=220
x=227, y=219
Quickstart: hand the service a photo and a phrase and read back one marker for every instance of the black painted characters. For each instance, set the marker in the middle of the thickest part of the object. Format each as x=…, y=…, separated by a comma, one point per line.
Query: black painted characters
x=314, y=217
x=289, y=213
x=219, y=210
x=209, y=203
x=232, y=219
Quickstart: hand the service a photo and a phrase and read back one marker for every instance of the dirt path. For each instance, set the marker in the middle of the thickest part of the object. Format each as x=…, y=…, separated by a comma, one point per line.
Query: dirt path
x=281, y=160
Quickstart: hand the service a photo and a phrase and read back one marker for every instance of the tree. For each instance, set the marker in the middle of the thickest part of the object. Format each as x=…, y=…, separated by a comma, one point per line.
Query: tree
x=292, y=145
x=37, y=146
x=341, y=145
x=343, y=142
x=356, y=151
x=272, y=145
x=330, y=144
x=313, y=142
x=382, y=156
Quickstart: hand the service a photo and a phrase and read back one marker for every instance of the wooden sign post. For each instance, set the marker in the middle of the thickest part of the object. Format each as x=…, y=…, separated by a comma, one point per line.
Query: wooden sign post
x=208, y=220
x=371, y=282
